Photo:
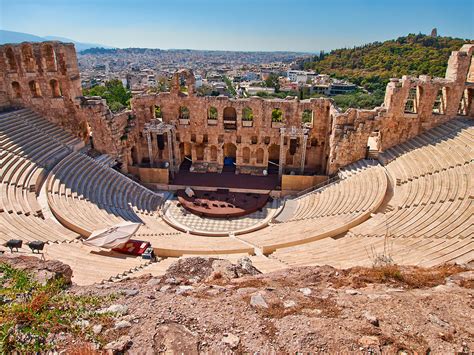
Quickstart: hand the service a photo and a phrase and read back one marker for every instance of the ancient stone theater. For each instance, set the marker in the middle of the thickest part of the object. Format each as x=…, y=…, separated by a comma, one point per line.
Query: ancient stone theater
x=181, y=174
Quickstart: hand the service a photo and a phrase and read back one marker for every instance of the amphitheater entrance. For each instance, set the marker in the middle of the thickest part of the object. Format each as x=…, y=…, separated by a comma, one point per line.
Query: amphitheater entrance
x=230, y=157
x=273, y=159
x=373, y=145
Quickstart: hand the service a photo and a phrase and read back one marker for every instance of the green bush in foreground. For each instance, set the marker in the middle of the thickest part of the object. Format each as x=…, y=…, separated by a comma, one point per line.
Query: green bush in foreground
x=29, y=312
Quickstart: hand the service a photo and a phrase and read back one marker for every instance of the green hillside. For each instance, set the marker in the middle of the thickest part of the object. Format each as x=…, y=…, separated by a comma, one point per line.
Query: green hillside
x=373, y=64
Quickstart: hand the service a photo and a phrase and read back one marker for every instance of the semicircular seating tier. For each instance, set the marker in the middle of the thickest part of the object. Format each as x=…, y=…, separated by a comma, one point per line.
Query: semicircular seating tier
x=29, y=147
x=329, y=211
x=429, y=218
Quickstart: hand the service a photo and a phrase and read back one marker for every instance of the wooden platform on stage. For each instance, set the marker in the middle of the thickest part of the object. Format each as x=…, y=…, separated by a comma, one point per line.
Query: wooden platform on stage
x=226, y=180
x=222, y=203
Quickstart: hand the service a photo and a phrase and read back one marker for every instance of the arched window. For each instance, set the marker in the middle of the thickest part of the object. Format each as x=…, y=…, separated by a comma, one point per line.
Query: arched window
x=28, y=58
x=157, y=112
x=246, y=155
x=213, y=153
x=439, y=106
x=247, y=114
x=230, y=118
x=277, y=115
x=411, y=105
x=200, y=152
x=34, y=88
x=260, y=156
x=16, y=90
x=55, y=89
x=50, y=57
x=212, y=113
x=11, y=61
x=183, y=113
x=307, y=118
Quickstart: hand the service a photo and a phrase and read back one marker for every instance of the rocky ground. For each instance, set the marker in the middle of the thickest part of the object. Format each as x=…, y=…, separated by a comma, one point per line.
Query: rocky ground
x=210, y=305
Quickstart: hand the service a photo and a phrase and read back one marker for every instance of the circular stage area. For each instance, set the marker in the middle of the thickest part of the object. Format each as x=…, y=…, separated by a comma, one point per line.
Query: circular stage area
x=222, y=203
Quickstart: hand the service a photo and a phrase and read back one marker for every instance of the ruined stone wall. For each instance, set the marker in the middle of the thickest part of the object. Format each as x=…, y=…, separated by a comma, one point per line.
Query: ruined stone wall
x=44, y=77
x=256, y=141
x=392, y=122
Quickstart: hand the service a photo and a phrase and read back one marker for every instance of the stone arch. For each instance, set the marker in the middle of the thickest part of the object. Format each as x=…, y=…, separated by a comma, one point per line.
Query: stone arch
x=199, y=152
x=274, y=152
x=307, y=118
x=212, y=113
x=34, y=88
x=411, y=103
x=277, y=115
x=11, y=61
x=55, y=88
x=28, y=58
x=134, y=155
x=439, y=105
x=230, y=150
x=183, y=78
x=213, y=153
x=230, y=118
x=247, y=114
x=246, y=155
x=260, y=154
x=183, y=113
x=49, y=55
x=16, y=90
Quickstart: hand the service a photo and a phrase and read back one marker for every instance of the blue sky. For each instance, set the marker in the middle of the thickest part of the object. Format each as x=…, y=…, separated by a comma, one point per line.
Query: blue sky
x=299, y=25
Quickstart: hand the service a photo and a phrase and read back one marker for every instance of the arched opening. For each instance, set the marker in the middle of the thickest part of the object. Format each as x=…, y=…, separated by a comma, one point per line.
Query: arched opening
x=199, y=152
x=134, y=154
x=50, y=57
x=230, y=118
x=157, y=112
x=411, y=104
x=247, y=117
x=307, y=118
x=246, y=155
x=183, y=113
x=277, y=115
x=373, y=145
x=439, y=106
x=230, y=156
x=260, y=154
x=213, y=153
x=34, y=88
x=11, y=61
x=16, y=90
x=463, y=104
x=273, y=158
x=186, y=156
x=212, y=113
x=55, y=89
x=28, y=58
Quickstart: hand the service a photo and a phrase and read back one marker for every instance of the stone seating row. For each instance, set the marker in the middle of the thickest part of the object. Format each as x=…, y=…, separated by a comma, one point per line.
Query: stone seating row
x=25, y=157
x=361, y=186
x=85, y=195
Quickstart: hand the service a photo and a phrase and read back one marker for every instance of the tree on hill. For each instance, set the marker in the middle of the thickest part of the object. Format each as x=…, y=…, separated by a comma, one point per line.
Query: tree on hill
x=113, y=92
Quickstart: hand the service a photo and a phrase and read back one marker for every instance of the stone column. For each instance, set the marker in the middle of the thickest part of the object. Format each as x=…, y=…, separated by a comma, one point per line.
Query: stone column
x=150, y=147
x=303, y=153
x=170, y=151
x=282, y=157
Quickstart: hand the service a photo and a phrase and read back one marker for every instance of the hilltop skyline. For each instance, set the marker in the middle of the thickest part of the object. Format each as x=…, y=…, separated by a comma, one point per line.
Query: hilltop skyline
x=262, y=25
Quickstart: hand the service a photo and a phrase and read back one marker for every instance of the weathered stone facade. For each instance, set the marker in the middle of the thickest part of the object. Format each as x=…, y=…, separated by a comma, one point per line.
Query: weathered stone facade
x=45, y=77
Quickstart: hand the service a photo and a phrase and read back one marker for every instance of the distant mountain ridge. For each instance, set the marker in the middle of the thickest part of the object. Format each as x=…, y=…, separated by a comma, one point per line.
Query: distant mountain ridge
x=18, y=37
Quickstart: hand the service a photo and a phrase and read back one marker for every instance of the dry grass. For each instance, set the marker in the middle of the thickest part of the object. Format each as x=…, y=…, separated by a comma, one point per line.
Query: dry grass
x=407, y=277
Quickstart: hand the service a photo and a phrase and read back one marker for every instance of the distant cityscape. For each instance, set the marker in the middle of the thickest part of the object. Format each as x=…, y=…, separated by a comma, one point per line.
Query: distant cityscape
x=233, y=74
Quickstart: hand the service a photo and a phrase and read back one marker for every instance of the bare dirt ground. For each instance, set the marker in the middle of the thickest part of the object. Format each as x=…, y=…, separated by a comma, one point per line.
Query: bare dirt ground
x=212, y=306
